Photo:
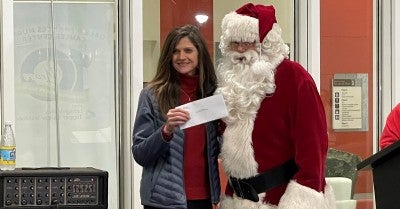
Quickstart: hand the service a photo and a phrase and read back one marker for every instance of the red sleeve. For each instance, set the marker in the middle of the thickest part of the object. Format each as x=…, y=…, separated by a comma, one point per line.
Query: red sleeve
x=391, y=132
x=166, y=137
x=310, y=136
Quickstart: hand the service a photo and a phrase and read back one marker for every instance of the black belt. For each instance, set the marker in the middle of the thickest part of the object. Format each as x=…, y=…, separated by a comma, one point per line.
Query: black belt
x=250, y=188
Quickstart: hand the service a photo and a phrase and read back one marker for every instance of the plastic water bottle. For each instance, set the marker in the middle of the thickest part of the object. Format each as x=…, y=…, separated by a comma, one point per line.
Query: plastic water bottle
x=7, y=148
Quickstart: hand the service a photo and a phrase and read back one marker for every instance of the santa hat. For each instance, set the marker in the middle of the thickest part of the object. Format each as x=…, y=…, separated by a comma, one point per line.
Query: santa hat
x=248, y=23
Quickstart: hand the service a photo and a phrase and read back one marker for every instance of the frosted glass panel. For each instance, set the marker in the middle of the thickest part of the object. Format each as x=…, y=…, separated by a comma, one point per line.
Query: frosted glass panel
x=65, y=86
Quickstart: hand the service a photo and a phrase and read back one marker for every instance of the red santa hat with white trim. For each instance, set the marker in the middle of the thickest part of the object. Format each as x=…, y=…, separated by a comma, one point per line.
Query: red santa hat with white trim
x=255, y=23
x=249, y=23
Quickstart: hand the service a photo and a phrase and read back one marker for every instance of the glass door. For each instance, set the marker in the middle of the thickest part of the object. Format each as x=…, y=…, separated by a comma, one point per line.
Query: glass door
x=65, y=86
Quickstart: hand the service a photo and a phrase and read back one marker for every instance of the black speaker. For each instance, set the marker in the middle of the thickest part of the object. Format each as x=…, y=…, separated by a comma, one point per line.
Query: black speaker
x=54, y=187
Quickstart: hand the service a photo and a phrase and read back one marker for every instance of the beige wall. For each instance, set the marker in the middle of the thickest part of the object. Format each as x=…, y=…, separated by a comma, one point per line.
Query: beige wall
x=151, y=37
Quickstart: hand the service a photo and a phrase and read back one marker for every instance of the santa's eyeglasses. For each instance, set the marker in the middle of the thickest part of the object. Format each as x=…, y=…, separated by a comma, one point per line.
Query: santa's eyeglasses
x=244, y=45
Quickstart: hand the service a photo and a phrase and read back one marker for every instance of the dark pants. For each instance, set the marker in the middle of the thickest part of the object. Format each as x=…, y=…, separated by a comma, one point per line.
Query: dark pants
x=192, y=204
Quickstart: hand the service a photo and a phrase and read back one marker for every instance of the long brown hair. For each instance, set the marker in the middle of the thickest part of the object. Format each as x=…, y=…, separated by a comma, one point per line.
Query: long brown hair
x=166, y=83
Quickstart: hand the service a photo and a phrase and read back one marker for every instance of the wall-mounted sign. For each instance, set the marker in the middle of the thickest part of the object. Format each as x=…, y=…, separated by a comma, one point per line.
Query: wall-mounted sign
x=349, y=102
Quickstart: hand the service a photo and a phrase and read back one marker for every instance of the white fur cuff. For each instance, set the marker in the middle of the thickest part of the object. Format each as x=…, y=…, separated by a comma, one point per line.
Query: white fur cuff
x=298, y=196
x=235, y=202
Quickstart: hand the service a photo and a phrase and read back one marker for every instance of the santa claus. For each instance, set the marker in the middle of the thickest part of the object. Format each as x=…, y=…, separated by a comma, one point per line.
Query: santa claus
x=275, y=142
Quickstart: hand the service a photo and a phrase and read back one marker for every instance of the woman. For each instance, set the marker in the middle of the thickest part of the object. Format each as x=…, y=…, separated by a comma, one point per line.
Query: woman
x=180, y=167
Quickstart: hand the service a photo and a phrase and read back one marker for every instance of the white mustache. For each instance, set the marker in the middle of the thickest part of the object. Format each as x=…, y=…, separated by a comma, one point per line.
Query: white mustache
x=246, y=57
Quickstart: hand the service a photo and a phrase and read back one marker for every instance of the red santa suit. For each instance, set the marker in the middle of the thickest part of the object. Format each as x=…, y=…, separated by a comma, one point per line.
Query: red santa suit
x=391, y=132
x=275, y=116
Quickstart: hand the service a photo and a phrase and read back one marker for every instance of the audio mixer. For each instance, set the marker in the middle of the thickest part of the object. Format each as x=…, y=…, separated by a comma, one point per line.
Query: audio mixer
x=54, y=187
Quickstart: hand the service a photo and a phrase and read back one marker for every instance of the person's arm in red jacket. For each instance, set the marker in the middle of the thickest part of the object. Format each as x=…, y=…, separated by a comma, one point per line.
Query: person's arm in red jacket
x=391, y=132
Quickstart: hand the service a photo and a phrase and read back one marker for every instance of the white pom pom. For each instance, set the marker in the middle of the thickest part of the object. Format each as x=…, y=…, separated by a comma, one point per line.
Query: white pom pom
x=261, y=67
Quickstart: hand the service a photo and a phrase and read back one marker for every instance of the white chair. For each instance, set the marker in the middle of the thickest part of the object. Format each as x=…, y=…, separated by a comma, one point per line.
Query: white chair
x=342, y=189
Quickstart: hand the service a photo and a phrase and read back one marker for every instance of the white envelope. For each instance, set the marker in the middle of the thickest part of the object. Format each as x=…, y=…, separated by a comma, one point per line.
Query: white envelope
x=205, y=110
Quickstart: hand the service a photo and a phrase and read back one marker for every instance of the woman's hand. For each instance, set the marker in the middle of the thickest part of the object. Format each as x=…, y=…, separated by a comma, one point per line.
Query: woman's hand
x=175, y=117
x=216, y=206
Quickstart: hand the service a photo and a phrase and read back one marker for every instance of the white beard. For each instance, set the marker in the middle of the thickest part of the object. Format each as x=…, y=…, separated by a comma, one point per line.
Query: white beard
x=244, y=81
